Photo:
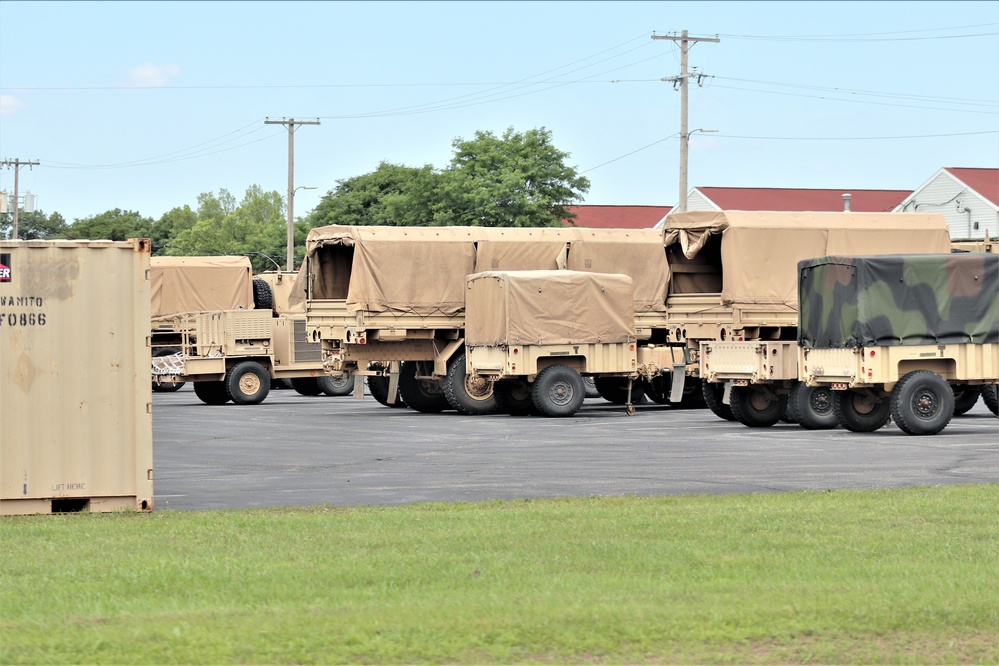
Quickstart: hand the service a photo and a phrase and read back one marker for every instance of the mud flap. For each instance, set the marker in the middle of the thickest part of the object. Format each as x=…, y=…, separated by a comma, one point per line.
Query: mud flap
x=679, y=376
x=393, y=386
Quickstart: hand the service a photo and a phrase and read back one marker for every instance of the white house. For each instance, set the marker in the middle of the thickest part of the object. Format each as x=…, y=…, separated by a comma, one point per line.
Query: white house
x=968, y=198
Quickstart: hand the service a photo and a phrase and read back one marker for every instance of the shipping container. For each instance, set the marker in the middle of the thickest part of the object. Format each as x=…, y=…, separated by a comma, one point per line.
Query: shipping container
x=75, y=397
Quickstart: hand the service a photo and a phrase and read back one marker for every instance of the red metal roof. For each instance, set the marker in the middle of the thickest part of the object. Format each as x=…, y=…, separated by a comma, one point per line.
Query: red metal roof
x=983, y=181
x=775, y=198
x=617, y=217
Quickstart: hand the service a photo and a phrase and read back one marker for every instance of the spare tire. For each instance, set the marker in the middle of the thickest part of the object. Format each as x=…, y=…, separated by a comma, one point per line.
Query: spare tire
x=263, y=296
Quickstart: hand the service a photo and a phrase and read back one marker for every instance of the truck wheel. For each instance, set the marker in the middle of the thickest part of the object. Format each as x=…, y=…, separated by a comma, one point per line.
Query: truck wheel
x=378, y=387
x=657, y=389
x=166, y=387
x=712, y=393
x=212, y=393
x=922, y=403
x=757, y=406
x=514, y=396
x=615, y=390
x=306, y=386
x=336, y=385
x=860, y=411
x=248, y=383
x=263, y=296
x=990, y=396
x=469, y=394
x=558, y=391
x=423, y=395
x=965, y=397
x=591, y=387
x=811, y=407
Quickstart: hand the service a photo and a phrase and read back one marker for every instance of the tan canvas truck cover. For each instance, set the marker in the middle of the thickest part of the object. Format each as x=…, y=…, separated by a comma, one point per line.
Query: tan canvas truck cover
x=637, y=253
x=183, y=285
x=548, y=308
x=522, y=248
x=416, y=270
x=760, y=251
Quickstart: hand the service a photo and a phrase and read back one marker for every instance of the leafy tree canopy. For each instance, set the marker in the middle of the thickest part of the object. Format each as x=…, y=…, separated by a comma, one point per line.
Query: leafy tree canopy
x=33, y=226
x=117, y=225
x=518, y=179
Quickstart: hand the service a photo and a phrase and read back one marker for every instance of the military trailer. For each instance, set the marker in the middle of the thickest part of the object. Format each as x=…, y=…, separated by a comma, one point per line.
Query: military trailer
x=733, y=303
x=229, y=333
x=388, y=303
x=890, y=335
x=530, y=336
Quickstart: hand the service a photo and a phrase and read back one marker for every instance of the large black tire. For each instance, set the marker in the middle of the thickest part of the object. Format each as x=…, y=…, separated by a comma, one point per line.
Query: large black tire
x=990, y=396
x=558, y=391
x=378, y=387
x=615, y=390
x=212, y=393
x=336, y=385
x=922, y=403
x=423, y=395
x=811, y=407
x=591, y=387
x=757, y=405
x=515, y=398
x=306, y=386
x=965, y=397
x=712, y=394
x=469, y=394
x=861, y=411
x=263, y=297
x=248, y=383
x=166, y=387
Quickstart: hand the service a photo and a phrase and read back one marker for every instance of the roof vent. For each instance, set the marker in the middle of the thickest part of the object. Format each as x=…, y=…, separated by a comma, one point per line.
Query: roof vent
x=846, y=202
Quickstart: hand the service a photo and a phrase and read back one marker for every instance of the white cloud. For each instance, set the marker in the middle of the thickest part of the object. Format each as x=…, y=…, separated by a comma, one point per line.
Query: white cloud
x=150, y=75
x=9, y=105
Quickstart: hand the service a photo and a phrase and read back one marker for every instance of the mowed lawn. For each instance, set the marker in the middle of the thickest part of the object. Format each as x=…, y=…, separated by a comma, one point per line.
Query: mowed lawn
x=888, y=577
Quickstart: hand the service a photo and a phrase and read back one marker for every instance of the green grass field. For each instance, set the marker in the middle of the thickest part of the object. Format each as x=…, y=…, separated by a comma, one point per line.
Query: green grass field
x=887, y=577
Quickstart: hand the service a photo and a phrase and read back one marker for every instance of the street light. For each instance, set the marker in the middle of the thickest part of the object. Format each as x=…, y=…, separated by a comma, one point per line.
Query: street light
x=684, y=140
x=291, y=225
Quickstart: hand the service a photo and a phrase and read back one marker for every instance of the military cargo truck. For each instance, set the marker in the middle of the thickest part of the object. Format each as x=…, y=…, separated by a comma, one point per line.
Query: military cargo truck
x=890, y=335
x=229, y=333
x=530, y=336
x=733, y=304
x=388, y=303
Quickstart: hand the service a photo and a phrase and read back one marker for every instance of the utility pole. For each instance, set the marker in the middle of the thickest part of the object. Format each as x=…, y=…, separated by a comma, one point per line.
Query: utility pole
x=682, y=80
x=17, y=164
x=291, y=122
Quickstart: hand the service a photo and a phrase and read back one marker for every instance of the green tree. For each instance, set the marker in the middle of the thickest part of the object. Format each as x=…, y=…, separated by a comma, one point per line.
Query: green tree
x=255, y=227
x=391, y=195
x=117, y=225
x=517, y=180
x=33, y=226
x=169, y=226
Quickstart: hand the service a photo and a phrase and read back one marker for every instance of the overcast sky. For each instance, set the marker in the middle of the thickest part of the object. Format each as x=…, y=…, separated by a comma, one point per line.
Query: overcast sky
x=143, y=106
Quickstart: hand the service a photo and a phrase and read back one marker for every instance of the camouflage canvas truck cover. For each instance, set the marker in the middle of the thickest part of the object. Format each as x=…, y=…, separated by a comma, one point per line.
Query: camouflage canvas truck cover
x=891, y=334
x=733, y=299
x=531, y=335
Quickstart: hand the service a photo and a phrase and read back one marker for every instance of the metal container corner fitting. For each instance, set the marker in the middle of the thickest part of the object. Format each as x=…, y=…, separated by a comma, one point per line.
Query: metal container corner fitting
x=75, y=396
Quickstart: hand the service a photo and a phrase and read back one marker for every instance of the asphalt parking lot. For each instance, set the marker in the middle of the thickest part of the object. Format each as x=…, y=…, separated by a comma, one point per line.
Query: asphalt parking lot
x=294, y=451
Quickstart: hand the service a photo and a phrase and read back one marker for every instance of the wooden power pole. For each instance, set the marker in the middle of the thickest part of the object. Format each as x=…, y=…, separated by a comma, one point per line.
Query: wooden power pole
x=291, y=123
x=17, y=164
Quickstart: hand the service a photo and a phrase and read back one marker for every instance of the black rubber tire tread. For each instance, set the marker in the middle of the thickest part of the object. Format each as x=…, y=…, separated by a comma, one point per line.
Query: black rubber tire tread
x=263, y=297
x=615, y=390
x=657, y=389
x=234, y=383
x=811, y=407
x=922, y=403
x=336, y=385
x=515, y=397
x=166, y=387
x=990, y=396
x=378, y=387
x=558, y=391
x=456, y=391
x=965, y=397
x=856, y=413
x=212, y=393
x=416, y=392
x=744, y=402
x=591, y=387
x=306, y=386
x=712, y=394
